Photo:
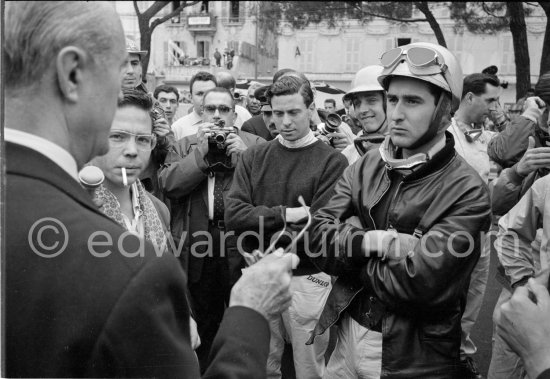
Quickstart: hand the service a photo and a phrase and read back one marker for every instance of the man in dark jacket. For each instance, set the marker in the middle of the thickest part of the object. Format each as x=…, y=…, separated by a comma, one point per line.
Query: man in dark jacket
x=82, y=297
x=403, y=277
x=195, y=181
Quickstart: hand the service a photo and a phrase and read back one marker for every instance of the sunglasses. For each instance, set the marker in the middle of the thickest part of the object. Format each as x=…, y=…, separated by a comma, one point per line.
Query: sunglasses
x=211, y=109
x=120, y=138
x=257, y=254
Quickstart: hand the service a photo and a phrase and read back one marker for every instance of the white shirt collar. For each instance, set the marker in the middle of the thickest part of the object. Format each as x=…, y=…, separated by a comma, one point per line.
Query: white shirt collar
x=56, y=153
x=308, y=139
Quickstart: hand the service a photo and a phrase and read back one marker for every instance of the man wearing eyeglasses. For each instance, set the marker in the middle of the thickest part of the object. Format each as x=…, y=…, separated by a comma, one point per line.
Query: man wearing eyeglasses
x=264, y=199
x=83, y=297
x=196, y=178
x=403, y=274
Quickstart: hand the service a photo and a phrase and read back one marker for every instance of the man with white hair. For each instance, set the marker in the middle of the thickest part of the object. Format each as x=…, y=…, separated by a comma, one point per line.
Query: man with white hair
x=84, y=298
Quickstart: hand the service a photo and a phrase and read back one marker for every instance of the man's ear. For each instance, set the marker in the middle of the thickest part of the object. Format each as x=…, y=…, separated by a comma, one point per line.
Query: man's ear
x=70, y=63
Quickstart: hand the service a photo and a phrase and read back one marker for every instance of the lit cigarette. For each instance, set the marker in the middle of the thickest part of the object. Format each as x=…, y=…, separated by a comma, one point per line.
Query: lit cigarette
x=124, y=177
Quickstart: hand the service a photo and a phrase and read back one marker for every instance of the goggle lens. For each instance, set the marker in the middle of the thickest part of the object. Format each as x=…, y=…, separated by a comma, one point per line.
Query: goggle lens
x=421, y=56
x=389, y=57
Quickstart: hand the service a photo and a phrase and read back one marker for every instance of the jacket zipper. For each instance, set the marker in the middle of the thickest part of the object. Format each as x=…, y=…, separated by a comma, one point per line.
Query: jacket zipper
x=377, y=200
x=388, y=225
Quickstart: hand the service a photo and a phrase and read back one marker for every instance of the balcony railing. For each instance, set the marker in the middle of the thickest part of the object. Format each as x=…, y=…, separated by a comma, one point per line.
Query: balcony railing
x=201, y=22
x=184, y=73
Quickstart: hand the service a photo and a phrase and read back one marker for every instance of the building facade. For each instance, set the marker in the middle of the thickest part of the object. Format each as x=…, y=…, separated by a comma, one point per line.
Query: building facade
x=186, y=44
x=334, y=55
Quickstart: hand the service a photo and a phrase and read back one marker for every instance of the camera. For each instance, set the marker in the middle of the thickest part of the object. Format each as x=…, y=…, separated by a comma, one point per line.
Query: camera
x=331, y=125
x=218, y=135
x=217, y=158
x=157, y=112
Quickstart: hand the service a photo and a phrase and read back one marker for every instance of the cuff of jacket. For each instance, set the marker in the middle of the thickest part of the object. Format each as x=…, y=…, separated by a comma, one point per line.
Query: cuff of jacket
x=532, y=114
x=515, y=177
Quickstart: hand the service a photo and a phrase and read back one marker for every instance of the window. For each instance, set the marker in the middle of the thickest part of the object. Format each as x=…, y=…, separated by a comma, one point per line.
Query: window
x=455, y=45
x=306, y=55
x=204, y=6
x=353, y=49
x=176, y=19
x=203, y=48
x=234, y=11
x=403, y=41
x=508, y=62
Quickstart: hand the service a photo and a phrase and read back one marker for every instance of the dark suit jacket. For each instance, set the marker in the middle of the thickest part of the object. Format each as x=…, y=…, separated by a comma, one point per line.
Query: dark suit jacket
x=256, y=125
x=184, y=180
x=81, y=315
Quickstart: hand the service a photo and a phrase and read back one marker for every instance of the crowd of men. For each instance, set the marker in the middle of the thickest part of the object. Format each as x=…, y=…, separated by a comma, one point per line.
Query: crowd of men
x=142, y=245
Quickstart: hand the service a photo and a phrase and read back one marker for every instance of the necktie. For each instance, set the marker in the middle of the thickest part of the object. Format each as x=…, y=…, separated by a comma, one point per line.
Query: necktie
x=218, y=196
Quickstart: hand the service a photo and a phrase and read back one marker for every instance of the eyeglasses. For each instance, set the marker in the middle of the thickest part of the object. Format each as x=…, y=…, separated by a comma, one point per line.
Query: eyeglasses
x=120, y=138
x=211, y=109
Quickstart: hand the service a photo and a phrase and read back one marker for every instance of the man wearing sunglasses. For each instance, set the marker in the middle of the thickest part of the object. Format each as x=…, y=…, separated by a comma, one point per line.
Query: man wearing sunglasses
x=369, y=102
x=263, y=199
x=403, y=274
x=196, y=186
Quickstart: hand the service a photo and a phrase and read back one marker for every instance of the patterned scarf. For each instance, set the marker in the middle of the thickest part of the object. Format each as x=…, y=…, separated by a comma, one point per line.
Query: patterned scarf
x=153, y=230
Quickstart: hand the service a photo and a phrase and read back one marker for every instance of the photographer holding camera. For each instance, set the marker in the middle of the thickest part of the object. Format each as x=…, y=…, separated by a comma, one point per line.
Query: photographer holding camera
x=196, y=175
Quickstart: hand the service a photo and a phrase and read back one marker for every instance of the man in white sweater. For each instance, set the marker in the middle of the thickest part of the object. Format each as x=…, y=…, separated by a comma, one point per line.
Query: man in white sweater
x=479, y=95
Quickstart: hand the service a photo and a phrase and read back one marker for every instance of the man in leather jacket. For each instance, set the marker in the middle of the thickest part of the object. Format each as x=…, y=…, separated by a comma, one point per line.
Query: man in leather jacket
x=403, y=276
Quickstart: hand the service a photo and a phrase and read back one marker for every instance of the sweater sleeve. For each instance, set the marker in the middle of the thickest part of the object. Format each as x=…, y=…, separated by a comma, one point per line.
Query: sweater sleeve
x=240, y=212
x=336, y=164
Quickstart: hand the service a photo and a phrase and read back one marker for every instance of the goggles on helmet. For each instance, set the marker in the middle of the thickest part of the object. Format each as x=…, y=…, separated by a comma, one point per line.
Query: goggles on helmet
x=422, y=61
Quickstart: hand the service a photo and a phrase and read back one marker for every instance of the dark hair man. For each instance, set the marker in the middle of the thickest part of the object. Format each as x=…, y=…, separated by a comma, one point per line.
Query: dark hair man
x=168, y=98
x=401, y=284
x=133, y=77
x=330, y=105
x=188, y=125
x=253, y=103
x=196, y=184
x=480, y=95
x=264, y=197
x=227, y=80
x=84, y=298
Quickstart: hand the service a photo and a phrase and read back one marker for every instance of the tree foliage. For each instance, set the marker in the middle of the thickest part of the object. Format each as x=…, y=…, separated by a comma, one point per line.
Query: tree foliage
x=300, y=14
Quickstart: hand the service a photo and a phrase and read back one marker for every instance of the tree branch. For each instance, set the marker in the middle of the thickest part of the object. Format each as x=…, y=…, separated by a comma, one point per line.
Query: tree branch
x=395, y=18
x=174, y=13
x=138, y=13
x=154, y=9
